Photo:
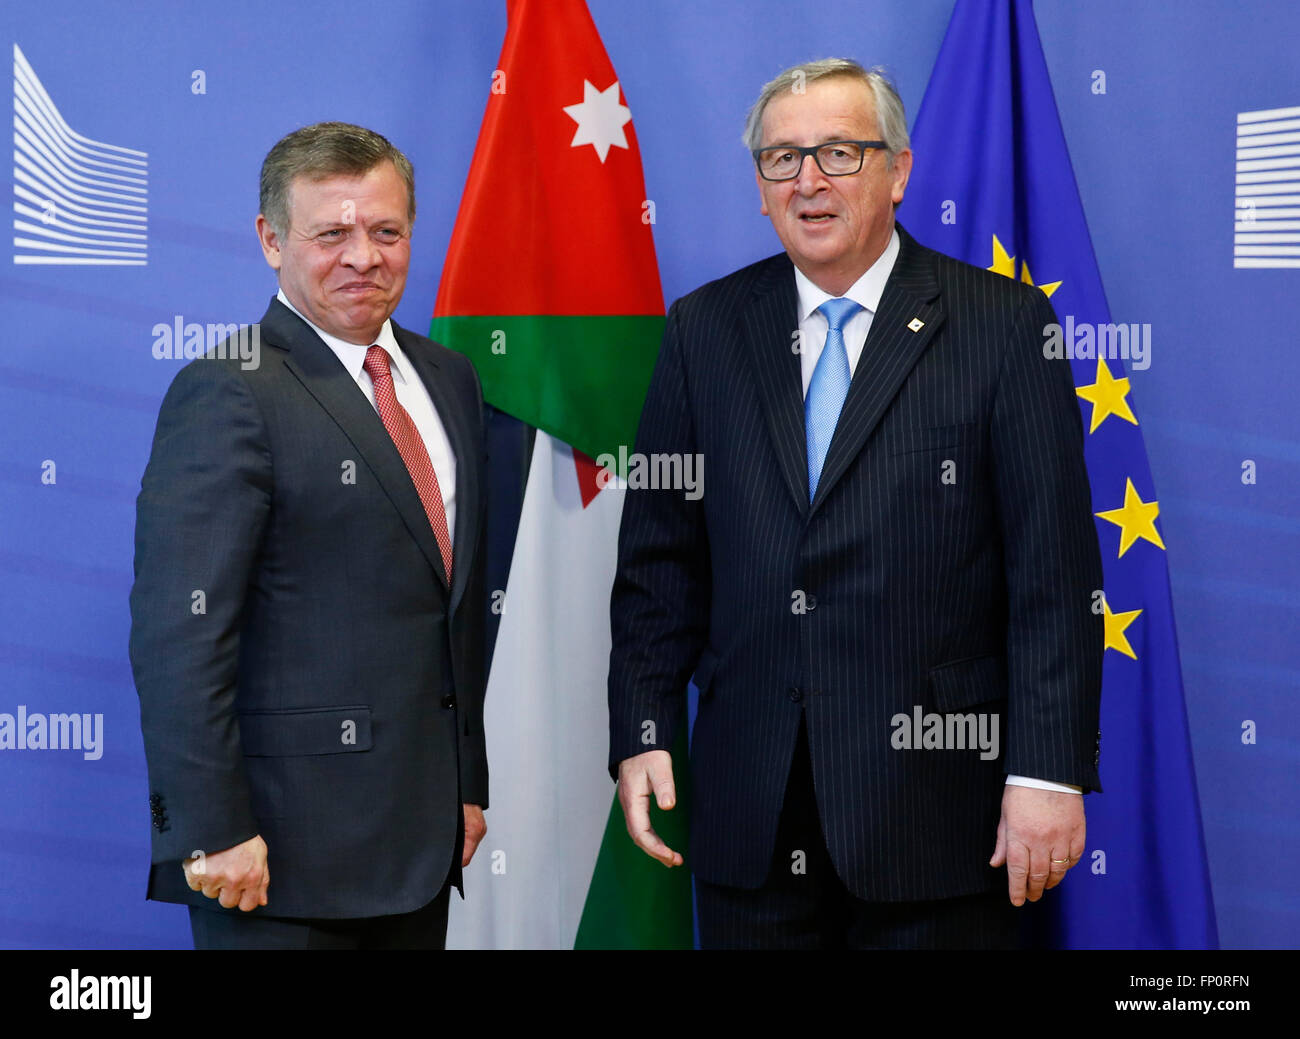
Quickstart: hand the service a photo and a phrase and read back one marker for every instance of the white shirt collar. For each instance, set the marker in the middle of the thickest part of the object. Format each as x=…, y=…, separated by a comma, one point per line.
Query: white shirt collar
x=353, y=355
x=866, y=291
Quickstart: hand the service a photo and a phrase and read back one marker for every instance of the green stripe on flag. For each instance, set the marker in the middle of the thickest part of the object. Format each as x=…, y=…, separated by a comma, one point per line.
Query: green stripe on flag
x=581, y=379
x=636, y=902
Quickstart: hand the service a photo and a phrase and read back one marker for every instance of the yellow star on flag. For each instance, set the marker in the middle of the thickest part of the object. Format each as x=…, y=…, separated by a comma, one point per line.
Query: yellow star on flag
x=1005, y=264
x=1135, y=519
x=1048, y=289
x=1116, y=623
x=1108, y=396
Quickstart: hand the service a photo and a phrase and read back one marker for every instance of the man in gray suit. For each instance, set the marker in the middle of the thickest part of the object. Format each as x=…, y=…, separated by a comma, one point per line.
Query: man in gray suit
x=307, y=614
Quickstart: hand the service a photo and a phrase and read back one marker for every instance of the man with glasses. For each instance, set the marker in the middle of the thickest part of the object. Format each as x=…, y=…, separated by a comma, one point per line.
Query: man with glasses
x=885, y=594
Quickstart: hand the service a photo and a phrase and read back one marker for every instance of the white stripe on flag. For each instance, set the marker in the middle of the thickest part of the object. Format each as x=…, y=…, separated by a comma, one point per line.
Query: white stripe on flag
x=546, y=719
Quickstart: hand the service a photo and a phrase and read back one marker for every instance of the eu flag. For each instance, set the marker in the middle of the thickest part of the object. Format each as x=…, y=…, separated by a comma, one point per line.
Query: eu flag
x=993, y=185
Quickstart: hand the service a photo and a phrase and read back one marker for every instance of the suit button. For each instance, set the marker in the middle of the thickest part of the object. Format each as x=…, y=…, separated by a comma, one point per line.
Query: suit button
x=795, y=694
x=812, y=602
x=448, y=701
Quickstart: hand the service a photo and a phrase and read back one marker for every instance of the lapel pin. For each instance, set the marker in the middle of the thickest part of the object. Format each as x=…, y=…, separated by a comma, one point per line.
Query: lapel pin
x=916, y=324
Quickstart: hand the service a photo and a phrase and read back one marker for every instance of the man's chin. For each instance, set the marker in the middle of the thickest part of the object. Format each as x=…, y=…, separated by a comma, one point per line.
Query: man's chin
x=815, y=259
x=361, y=323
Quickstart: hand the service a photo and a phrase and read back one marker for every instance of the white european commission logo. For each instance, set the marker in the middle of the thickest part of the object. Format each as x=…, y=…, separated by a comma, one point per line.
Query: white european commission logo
x=76, y=201
x=1267, y=229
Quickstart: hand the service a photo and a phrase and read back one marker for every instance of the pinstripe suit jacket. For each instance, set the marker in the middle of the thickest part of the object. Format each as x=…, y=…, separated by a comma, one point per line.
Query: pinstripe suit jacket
x=947, y=562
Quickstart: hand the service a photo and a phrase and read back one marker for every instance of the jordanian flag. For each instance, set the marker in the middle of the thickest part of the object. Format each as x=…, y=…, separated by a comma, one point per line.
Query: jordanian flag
x=551, y=287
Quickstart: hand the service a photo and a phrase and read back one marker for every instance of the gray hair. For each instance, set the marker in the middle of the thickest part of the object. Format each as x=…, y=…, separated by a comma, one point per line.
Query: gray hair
x=325, y=150
x=889, y=106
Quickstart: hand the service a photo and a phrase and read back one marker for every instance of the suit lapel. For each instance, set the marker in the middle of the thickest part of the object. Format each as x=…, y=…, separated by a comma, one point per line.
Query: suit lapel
x=458, y=419
x=894, y=345
x=769, y=324
x=318, y=369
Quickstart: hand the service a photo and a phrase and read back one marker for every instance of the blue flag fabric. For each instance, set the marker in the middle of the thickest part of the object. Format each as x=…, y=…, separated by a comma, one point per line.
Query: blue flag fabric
x=993, y=185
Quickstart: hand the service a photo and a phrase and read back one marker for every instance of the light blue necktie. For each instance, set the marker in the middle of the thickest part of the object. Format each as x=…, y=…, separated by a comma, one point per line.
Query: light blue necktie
x=828, y=388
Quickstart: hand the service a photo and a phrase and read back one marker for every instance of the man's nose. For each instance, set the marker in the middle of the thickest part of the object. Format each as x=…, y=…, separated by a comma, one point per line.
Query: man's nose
x=360, y=253
x=810, y=178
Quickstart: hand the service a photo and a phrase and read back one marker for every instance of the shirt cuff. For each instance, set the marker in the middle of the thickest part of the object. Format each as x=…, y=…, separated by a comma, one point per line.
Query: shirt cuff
x=1043, y=784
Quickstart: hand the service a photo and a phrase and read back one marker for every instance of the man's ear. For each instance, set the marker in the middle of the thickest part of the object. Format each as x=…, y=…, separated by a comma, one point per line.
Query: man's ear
x=762, y=195
x=270, y=242
x=902, y=170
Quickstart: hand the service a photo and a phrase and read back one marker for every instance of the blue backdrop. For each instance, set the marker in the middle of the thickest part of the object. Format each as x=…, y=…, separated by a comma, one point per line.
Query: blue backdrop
x=205, y=94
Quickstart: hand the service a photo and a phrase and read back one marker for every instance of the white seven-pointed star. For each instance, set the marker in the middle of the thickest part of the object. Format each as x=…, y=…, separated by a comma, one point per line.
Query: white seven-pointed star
x=600, y=119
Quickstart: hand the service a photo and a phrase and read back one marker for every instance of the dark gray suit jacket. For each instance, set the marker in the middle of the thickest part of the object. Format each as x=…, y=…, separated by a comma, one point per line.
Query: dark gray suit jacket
x=947, y=563
x=304, y=671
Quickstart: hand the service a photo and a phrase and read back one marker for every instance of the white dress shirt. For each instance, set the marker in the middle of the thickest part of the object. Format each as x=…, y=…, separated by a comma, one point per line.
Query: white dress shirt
x=866, y=292
x=411, y=394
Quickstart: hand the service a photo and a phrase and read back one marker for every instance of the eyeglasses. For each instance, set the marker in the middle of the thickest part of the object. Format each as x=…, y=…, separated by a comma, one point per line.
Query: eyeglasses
x=834, y=158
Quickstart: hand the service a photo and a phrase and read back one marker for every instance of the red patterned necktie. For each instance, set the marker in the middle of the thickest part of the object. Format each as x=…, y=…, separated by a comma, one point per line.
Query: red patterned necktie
x=410, y=445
